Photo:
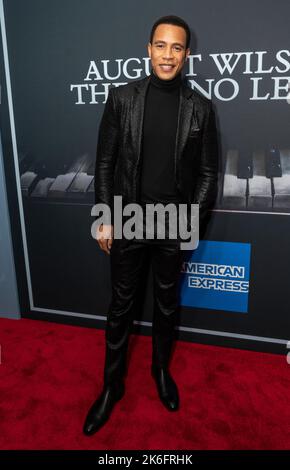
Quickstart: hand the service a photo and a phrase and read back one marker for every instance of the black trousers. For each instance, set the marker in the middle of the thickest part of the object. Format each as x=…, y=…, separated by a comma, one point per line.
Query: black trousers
x=127, y=259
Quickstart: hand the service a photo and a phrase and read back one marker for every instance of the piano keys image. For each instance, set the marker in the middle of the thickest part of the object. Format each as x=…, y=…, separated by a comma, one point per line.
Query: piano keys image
x=64, y=182
x=282, y=183
x=235, y=183
x=259, y=186
x=258, y=181
x=30, y=172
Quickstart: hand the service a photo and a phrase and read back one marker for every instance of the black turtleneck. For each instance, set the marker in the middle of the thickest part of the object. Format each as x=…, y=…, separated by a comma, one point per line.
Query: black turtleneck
x=159, y=133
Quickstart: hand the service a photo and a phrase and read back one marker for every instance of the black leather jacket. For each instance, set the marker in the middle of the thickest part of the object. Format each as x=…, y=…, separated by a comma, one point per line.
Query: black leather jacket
x=117, y=170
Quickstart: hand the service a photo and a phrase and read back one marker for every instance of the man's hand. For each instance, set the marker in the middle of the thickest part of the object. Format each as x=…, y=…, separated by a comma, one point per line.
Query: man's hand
x=105, y=237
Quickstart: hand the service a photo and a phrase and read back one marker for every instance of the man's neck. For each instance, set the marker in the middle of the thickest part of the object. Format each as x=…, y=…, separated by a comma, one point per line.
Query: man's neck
x=172, y=83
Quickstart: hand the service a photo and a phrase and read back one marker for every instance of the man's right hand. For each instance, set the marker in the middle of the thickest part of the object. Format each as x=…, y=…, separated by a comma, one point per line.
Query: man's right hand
x=105, y=237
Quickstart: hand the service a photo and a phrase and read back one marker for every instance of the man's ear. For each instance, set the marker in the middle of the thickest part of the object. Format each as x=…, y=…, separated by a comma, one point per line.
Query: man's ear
x=149, y=48
x=187, y=52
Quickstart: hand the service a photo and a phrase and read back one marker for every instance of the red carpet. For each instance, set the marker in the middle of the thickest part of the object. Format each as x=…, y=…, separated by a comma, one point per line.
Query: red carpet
x=51, y=373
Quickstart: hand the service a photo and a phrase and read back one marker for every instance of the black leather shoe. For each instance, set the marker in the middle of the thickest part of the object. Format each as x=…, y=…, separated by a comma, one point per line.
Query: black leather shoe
x=101, y=409
x=167, y=388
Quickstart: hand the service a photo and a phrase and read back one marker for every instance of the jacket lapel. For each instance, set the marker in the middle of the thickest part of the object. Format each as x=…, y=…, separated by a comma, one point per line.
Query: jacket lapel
x=137, y=115
x=185, y=115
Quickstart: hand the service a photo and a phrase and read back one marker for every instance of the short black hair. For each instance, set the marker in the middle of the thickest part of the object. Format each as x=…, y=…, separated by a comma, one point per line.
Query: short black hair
x=176, y=21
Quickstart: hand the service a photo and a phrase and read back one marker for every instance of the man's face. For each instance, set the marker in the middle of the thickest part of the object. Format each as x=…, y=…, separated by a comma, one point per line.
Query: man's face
x=167, y=51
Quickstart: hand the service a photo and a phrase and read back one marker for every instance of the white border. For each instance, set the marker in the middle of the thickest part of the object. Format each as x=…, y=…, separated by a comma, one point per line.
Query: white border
x=26, y=257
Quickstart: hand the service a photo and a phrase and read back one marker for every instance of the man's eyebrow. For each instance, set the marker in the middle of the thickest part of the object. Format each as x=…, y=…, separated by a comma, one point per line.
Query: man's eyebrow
x=174, y=43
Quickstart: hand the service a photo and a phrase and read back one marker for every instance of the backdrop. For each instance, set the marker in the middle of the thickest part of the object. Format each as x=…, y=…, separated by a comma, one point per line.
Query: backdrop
x=58, y=61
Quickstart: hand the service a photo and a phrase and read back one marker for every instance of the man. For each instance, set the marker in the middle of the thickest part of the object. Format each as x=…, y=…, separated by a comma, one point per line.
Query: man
x=157, y=144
